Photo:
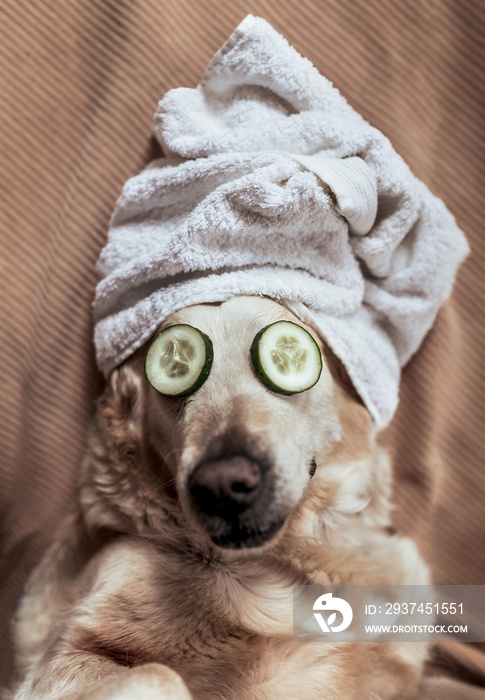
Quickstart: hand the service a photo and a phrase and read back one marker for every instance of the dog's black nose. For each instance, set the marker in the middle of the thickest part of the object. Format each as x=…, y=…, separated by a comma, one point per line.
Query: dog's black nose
x=226, y=486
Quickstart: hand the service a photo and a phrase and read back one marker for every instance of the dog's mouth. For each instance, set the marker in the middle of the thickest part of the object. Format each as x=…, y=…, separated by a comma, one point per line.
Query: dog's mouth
x=239, y=528
x=237, y=536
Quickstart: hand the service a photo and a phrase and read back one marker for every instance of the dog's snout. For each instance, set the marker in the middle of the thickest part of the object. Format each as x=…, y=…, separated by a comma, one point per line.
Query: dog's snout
x=225, y=486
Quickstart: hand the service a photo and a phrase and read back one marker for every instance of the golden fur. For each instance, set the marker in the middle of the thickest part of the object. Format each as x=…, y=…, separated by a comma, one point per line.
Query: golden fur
x=133, y=600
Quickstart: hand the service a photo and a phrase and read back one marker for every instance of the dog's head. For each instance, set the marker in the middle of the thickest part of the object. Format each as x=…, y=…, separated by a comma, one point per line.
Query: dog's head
x=234, y=462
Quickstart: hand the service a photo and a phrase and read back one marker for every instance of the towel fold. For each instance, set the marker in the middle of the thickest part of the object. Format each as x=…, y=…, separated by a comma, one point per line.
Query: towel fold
x=273, y=185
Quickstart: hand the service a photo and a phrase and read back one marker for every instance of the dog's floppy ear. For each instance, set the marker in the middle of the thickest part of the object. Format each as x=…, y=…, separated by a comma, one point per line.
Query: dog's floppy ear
x=340, y=375
x=120, y=413
x=121, y=489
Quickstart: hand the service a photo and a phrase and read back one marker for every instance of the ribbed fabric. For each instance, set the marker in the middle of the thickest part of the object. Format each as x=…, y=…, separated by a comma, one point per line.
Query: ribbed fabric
x=79, y=83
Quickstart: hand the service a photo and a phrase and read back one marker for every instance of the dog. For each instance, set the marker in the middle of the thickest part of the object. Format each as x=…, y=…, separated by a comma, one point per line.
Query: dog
x=146, y=594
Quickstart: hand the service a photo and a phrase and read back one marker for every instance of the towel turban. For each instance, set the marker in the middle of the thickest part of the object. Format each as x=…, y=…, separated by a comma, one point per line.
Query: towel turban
x=273, y=185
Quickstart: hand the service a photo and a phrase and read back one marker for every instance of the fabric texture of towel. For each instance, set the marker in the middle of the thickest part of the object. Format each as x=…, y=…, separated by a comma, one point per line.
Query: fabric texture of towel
x=273, y=185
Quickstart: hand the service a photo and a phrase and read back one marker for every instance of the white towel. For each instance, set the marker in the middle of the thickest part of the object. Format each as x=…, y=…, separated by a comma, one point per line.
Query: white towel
x=273, y=185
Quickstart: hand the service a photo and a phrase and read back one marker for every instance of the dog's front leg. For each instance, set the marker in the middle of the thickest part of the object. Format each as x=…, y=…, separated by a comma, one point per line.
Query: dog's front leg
x=86, y=676
x=151, y=681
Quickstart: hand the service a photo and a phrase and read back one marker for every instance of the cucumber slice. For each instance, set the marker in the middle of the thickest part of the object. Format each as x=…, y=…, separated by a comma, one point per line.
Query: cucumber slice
x=286, y=358
x=179, y=360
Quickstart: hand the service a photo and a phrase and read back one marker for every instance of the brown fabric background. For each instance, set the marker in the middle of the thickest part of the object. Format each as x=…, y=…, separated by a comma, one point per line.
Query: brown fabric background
x=79, y=83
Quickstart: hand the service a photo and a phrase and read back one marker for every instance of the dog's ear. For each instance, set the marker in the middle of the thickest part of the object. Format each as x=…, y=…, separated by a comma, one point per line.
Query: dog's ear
x=120, y=414
x=115, y=479
x=355, y=418
x=340, y=375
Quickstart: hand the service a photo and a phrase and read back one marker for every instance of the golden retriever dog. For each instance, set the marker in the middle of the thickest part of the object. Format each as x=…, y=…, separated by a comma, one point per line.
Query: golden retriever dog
x=172, y=578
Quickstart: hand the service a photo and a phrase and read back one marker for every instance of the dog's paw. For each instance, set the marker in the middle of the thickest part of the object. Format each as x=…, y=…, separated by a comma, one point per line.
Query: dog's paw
x=148, y=682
